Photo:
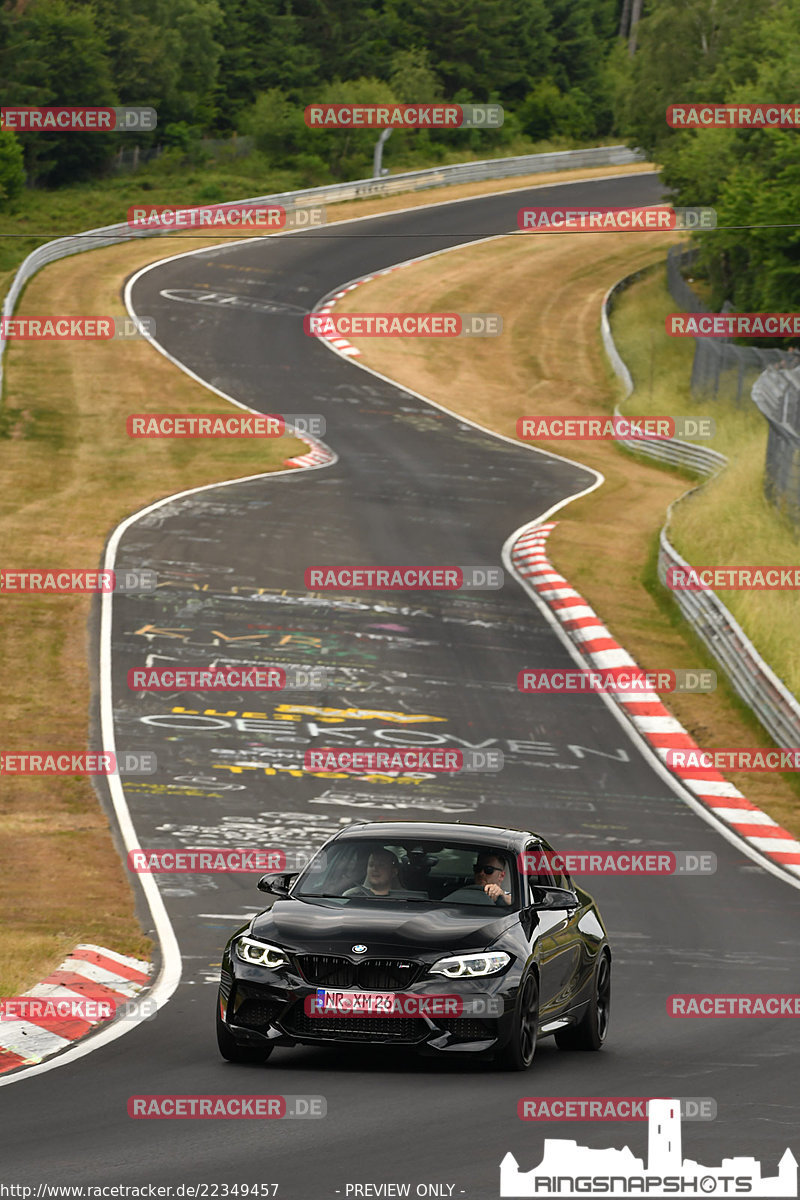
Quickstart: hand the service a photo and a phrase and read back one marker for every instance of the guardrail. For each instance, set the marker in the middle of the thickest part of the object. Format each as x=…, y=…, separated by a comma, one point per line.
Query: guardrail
x=411, y=181
x=765, y=694
x=669, y=450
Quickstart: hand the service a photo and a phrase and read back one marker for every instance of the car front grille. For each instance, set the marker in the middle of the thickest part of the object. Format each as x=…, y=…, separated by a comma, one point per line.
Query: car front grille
x=257, y=1013
x=372, y=974
x=468, y=1028
x=355, y=1029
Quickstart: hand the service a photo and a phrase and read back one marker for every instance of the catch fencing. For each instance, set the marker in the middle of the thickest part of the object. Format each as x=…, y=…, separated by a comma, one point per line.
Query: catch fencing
x=721, y=370
x=777, y=395
x=754, y=680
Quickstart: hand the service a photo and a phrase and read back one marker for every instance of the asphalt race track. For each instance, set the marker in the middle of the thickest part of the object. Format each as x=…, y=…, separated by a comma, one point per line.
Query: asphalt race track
x=411, y=485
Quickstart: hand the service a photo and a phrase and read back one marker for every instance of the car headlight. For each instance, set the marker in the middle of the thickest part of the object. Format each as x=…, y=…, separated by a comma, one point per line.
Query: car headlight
x=261, y=954
x=463, y=966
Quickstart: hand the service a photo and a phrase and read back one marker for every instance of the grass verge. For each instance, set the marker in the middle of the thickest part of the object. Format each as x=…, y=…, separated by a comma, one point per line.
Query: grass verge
x=729, y=521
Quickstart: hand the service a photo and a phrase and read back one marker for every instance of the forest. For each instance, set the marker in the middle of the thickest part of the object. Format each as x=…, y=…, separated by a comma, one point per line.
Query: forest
x=567, y=72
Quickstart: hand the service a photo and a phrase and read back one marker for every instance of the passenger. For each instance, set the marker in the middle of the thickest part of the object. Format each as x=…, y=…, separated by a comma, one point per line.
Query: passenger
x=382, y=878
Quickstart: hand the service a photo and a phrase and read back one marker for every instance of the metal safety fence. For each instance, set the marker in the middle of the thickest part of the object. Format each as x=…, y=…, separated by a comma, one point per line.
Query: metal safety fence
x=390, y=185
x=753, y=679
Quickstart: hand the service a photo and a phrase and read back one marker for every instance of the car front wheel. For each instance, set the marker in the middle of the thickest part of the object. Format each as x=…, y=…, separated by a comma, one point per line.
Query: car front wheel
x=517, y=1054
x=230, y=1049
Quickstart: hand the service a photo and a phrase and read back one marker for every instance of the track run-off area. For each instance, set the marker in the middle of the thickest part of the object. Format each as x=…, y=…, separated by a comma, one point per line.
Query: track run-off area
x=409, y=484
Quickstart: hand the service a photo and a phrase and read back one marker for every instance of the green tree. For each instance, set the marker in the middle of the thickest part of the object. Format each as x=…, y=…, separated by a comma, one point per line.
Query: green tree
x=56, y=55
x=12, y=171
x=164, y=53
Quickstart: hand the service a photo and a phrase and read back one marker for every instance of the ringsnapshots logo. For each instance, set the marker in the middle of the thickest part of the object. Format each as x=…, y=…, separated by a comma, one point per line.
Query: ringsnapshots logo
x=567, y=1169
x=266, y=218
x=78, y=762
x=733, y=116
x=578, y=680
x=400, y=760
x=616, y=428
x=403, y=578
x=614, y=220
x=332, y=325
x=608, y=1108
x=219, y=861
x=733, y=579
x=618, y=862
x=54, y=581
x=228, y=1107
x=732, y=325
x=75, y=329
x=91, y=119
x=404, y=116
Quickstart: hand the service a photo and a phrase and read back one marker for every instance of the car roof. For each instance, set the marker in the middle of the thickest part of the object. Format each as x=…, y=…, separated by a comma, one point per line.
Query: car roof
x=434, y=831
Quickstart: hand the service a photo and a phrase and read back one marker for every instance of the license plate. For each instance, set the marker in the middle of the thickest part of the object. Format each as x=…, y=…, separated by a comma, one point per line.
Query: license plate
x=354, y=1004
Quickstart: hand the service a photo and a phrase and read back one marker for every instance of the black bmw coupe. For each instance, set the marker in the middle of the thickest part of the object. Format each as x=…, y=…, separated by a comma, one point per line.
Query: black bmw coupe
x=444, y=938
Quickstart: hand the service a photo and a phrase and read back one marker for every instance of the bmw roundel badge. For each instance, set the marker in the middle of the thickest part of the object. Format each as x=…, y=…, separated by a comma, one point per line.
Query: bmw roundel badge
x=359, y=948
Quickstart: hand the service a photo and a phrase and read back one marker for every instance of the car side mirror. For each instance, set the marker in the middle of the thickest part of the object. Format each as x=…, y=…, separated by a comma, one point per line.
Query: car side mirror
x=276, y=884
x=553, y=897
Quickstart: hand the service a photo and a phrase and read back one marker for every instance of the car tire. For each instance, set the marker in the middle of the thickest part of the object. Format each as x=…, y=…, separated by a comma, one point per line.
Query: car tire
x=590, y=1032
x=230, y=1049
x=517, y=1054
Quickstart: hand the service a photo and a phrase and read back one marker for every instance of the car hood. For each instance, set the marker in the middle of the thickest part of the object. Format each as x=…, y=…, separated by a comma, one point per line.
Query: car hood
x=319, y=927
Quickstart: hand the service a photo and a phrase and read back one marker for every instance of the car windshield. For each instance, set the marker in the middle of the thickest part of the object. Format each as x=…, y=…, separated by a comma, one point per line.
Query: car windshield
x=376, y=870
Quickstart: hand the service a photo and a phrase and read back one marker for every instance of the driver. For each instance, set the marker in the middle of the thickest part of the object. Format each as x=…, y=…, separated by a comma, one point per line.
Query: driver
x=490, y=871
x=382, y=878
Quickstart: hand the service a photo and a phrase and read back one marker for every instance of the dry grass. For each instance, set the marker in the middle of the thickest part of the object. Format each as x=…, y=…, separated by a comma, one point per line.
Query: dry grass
x=71, y=474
